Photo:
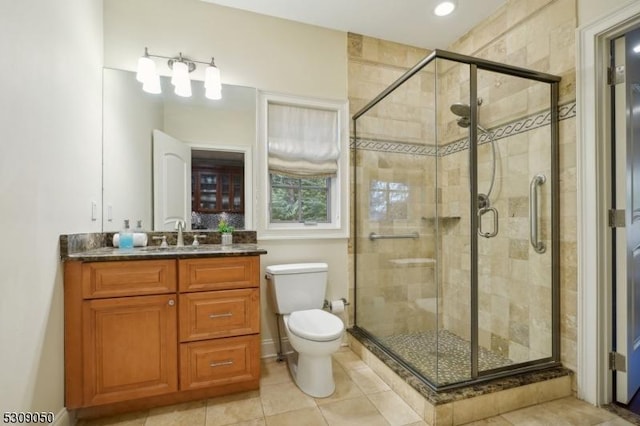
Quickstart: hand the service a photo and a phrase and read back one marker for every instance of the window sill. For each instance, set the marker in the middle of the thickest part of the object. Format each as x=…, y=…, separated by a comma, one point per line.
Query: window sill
x=303, y=234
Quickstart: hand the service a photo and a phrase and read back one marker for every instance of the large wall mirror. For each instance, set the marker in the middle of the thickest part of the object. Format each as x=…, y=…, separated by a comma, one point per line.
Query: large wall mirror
x=218, y=135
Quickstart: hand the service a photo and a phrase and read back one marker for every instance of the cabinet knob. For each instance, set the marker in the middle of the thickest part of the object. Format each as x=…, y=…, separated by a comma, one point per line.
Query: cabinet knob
x=172, y=302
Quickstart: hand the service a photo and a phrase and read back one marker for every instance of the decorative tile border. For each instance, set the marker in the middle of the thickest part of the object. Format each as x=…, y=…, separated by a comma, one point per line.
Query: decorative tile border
x=393, y=146
x=512, y=128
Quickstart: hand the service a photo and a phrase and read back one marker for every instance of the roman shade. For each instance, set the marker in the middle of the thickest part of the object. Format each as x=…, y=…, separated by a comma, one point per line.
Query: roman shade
x=302, y=141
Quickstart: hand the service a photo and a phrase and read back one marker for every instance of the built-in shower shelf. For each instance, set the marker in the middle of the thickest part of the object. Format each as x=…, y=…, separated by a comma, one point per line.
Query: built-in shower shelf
x=442, y=218
x=414, y=261
x=429, y=304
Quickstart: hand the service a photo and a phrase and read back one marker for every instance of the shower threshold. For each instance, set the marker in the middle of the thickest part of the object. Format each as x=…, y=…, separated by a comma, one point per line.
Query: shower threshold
x=462, y=403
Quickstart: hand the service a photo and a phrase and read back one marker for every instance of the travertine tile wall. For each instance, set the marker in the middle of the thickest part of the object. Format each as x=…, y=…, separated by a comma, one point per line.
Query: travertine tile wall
x=390, y=278
x=539, y=35
x=514, y=292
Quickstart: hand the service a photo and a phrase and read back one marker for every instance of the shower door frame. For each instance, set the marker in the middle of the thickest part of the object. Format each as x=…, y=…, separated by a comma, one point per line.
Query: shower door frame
x=476, y=64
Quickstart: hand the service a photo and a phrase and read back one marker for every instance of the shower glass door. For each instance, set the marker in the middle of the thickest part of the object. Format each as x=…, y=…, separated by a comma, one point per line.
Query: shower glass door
x=514, y=221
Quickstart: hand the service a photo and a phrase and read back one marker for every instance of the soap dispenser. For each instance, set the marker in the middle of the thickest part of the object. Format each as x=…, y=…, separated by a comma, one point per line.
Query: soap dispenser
x=126, y=236
x=139, y=236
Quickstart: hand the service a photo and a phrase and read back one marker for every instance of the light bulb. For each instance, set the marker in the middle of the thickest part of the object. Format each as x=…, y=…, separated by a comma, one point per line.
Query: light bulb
x=184, y=90
x=180, y=79
x=146, y=69
x=180, y=73
x=213, y=93
x=212, y=77
x=152, y=85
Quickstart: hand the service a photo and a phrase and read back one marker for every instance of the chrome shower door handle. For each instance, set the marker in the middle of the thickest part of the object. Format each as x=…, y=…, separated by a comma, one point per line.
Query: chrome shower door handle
x=482, y=212
x=536, y=182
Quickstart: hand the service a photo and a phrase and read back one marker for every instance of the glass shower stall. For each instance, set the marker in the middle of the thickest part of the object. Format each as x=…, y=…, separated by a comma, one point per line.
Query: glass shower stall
x=456, y=220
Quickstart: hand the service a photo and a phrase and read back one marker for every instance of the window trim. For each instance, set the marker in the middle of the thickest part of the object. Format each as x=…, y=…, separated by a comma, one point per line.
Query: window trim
x=338, y=227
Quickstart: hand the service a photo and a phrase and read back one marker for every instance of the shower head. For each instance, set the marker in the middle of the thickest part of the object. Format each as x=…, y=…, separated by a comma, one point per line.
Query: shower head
x=464, y=122
x=461, y=110
x=464, y=112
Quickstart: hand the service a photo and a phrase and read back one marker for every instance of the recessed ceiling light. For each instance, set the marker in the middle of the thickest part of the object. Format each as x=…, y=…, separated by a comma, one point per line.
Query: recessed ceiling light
x=636, y=48
x=444, y=8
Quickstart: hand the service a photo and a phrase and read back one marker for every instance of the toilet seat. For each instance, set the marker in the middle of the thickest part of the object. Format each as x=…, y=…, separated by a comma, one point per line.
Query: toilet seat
x=316, y=325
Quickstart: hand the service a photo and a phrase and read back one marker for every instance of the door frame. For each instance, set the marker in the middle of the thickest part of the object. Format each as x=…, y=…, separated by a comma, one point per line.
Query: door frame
x=594, y=319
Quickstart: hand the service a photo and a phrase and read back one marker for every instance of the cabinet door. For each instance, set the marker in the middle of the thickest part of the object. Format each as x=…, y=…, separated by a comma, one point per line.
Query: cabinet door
x=130, y=348
x=208, y=191
x=237, y=192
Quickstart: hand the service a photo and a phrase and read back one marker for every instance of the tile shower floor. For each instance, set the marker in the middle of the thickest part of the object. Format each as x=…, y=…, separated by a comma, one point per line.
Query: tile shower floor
x=361, y=398
x=441, y=356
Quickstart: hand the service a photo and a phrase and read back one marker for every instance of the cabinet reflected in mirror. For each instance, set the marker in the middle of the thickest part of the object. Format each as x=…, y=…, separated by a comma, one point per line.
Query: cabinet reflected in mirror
x=219, y=133
x=217, y=189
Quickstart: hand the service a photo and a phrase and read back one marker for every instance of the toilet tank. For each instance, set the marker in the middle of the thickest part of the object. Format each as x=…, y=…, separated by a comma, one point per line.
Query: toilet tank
x=297, y=286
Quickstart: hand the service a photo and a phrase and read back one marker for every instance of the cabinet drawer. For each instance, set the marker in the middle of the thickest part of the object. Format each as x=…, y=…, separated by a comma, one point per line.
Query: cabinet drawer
x=219, y=362
x=222, y=313
x=130, y=278
x=218, y=273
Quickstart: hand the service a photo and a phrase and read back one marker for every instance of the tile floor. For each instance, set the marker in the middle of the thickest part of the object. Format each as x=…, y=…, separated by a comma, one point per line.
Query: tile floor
x=361, y=398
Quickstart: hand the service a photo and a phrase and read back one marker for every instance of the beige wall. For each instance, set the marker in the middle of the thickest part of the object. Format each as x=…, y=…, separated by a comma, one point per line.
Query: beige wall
x=590, y=10
x=129, y=115
x=251, y=50
x=50, y=116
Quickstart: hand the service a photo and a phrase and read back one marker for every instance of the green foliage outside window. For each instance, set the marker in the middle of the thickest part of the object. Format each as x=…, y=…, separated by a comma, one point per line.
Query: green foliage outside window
x=299, y=200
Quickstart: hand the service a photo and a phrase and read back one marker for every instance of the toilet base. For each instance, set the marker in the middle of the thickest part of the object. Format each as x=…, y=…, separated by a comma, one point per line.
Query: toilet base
x=312, y=374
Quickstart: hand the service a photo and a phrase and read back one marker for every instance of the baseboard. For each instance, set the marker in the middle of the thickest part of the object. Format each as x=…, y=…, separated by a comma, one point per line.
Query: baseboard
x=63, y=418
x=269, y=347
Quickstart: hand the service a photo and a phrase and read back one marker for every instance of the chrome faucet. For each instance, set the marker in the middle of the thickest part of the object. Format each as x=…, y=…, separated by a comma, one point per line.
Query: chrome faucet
x=180, y=225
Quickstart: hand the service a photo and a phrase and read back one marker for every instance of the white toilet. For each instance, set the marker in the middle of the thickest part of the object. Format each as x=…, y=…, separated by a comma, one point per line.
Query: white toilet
x=298, y=294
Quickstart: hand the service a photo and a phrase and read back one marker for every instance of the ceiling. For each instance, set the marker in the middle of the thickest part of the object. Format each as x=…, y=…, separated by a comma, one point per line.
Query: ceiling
x=409, y=22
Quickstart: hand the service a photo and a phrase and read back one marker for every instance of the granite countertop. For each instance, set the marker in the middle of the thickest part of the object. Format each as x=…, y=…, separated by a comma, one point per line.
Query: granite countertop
x=97, y=247
x=156, y=252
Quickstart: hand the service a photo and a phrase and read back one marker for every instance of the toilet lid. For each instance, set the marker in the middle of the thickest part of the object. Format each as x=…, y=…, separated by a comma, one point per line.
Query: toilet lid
x=316, y=325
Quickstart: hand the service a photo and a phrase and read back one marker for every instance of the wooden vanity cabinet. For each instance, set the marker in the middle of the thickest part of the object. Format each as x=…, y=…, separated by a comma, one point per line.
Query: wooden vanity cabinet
x=142, y=333
x=219, y=321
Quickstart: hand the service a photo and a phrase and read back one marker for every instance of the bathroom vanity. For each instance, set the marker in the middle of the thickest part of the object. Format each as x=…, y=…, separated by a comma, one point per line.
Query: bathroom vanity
x=155, y=326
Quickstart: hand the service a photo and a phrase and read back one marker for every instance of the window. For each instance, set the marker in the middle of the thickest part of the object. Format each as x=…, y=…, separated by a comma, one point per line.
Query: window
x=304, y=164
x=297, y=200
x=388, y=200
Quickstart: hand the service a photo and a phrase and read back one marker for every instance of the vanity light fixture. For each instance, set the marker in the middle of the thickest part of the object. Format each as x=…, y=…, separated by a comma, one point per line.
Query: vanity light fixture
x=181, y=67
x=444, y=8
